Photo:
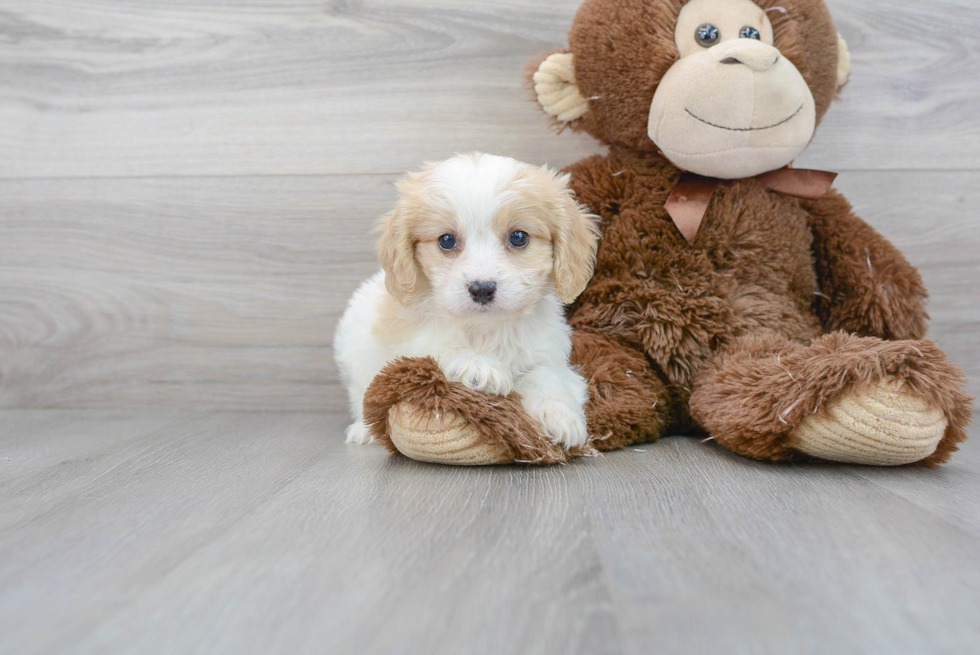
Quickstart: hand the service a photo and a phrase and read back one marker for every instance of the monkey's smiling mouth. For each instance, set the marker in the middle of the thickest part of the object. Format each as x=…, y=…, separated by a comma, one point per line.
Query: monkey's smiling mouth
x=745, y=129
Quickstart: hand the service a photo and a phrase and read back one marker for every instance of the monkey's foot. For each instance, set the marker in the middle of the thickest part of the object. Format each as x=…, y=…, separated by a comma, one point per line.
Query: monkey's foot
x=882, y=425
x=412, y=409
x=446, y=438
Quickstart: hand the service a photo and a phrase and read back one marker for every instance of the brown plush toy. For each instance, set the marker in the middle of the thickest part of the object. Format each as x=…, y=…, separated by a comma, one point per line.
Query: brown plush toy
x=733, y=295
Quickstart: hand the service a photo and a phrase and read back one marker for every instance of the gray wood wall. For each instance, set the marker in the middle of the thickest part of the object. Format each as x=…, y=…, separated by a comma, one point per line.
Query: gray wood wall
x=186, y=187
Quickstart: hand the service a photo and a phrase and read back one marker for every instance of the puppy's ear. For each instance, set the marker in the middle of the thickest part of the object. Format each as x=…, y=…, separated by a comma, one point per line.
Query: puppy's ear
x=396, y=250
x=575, y=242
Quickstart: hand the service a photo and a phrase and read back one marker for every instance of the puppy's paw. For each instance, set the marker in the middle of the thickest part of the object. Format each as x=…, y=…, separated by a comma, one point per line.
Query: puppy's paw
x=479, y=374
x=358, y=433
x=561, y=419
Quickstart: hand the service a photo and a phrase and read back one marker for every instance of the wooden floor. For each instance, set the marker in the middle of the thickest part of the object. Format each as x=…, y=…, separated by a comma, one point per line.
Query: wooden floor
x=176, y=532
x=186, y=192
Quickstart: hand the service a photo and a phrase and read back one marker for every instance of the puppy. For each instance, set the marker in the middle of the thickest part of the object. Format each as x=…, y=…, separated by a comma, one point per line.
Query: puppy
x=479, y=256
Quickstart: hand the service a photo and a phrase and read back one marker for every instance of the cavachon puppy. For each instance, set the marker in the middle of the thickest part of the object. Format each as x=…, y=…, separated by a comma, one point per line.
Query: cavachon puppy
x=479, y=258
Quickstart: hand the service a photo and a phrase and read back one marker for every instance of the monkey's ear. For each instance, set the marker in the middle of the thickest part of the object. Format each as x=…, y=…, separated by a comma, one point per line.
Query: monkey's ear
x=558, y=94
x=843, y=62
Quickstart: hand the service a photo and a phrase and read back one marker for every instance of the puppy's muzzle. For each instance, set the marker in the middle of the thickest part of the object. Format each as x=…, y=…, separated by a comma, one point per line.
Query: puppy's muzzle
x=483, y=292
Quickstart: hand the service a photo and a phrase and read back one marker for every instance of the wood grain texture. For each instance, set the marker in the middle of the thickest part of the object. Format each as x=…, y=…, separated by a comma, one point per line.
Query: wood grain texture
x=186, y=191
x=192, y=87
x=175, y=532
x=223, y=292
x=706, y=552
x=261, y=533
x=148, y=292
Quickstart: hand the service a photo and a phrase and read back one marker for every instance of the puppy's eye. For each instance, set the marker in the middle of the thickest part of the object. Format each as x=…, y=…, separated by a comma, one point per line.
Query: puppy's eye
x=519, y=239
x=707, y=35
x=749, y=32
x=447, y=242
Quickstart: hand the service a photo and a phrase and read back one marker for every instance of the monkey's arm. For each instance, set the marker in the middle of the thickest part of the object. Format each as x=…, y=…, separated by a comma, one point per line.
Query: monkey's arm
x=599, y=183
x=867, y=286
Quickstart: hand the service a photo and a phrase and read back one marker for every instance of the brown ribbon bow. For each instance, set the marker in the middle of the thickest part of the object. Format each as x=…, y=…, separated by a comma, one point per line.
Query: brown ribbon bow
x=692, y=195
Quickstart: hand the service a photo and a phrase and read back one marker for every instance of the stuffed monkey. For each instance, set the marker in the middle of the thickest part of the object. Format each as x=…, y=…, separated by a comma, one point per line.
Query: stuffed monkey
x=733, y=296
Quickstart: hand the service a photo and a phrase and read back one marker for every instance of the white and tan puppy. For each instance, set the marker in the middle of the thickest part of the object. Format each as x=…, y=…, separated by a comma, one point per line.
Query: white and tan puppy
x=479, y=256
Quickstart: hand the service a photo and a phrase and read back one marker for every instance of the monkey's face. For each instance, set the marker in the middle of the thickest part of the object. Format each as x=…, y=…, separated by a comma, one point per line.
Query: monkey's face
x=723, y=88
x=732, y=106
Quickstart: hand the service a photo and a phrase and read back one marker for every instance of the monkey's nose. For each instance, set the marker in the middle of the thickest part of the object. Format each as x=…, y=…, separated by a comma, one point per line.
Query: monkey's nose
x=483, y=292
x=758, y=56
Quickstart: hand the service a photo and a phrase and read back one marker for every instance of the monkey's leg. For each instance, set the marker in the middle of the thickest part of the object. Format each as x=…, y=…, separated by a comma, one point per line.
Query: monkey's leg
x=628, y=402
x=413, y=409
x=842, y=398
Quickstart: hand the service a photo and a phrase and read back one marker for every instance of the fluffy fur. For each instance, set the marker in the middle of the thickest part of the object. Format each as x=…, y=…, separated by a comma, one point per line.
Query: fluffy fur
x=779, y=308
x=766, y=268
x=422, y=385
x=421, y=304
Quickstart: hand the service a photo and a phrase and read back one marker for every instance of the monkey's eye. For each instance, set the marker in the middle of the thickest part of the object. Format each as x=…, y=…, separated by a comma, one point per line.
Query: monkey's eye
x=749, y=32
x=519, y=239
x=447, y=242
x=707, y=35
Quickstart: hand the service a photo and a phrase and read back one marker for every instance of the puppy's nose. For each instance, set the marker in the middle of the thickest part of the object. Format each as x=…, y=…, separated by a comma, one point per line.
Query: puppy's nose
x=483, y=292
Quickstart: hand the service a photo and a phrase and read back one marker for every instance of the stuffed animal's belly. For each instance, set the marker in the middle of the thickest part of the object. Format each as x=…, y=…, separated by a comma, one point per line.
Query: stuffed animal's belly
x=749, y=270
x=679, y=325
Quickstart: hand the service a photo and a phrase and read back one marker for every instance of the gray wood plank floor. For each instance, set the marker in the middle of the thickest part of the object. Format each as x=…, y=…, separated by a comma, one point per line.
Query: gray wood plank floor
x=170, y=532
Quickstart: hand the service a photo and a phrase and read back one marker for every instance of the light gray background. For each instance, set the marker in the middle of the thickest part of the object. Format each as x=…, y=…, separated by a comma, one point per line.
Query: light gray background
x=186, y=190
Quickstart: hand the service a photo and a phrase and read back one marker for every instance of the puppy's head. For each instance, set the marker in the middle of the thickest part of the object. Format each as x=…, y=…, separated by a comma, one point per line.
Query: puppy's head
x=486, y=236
